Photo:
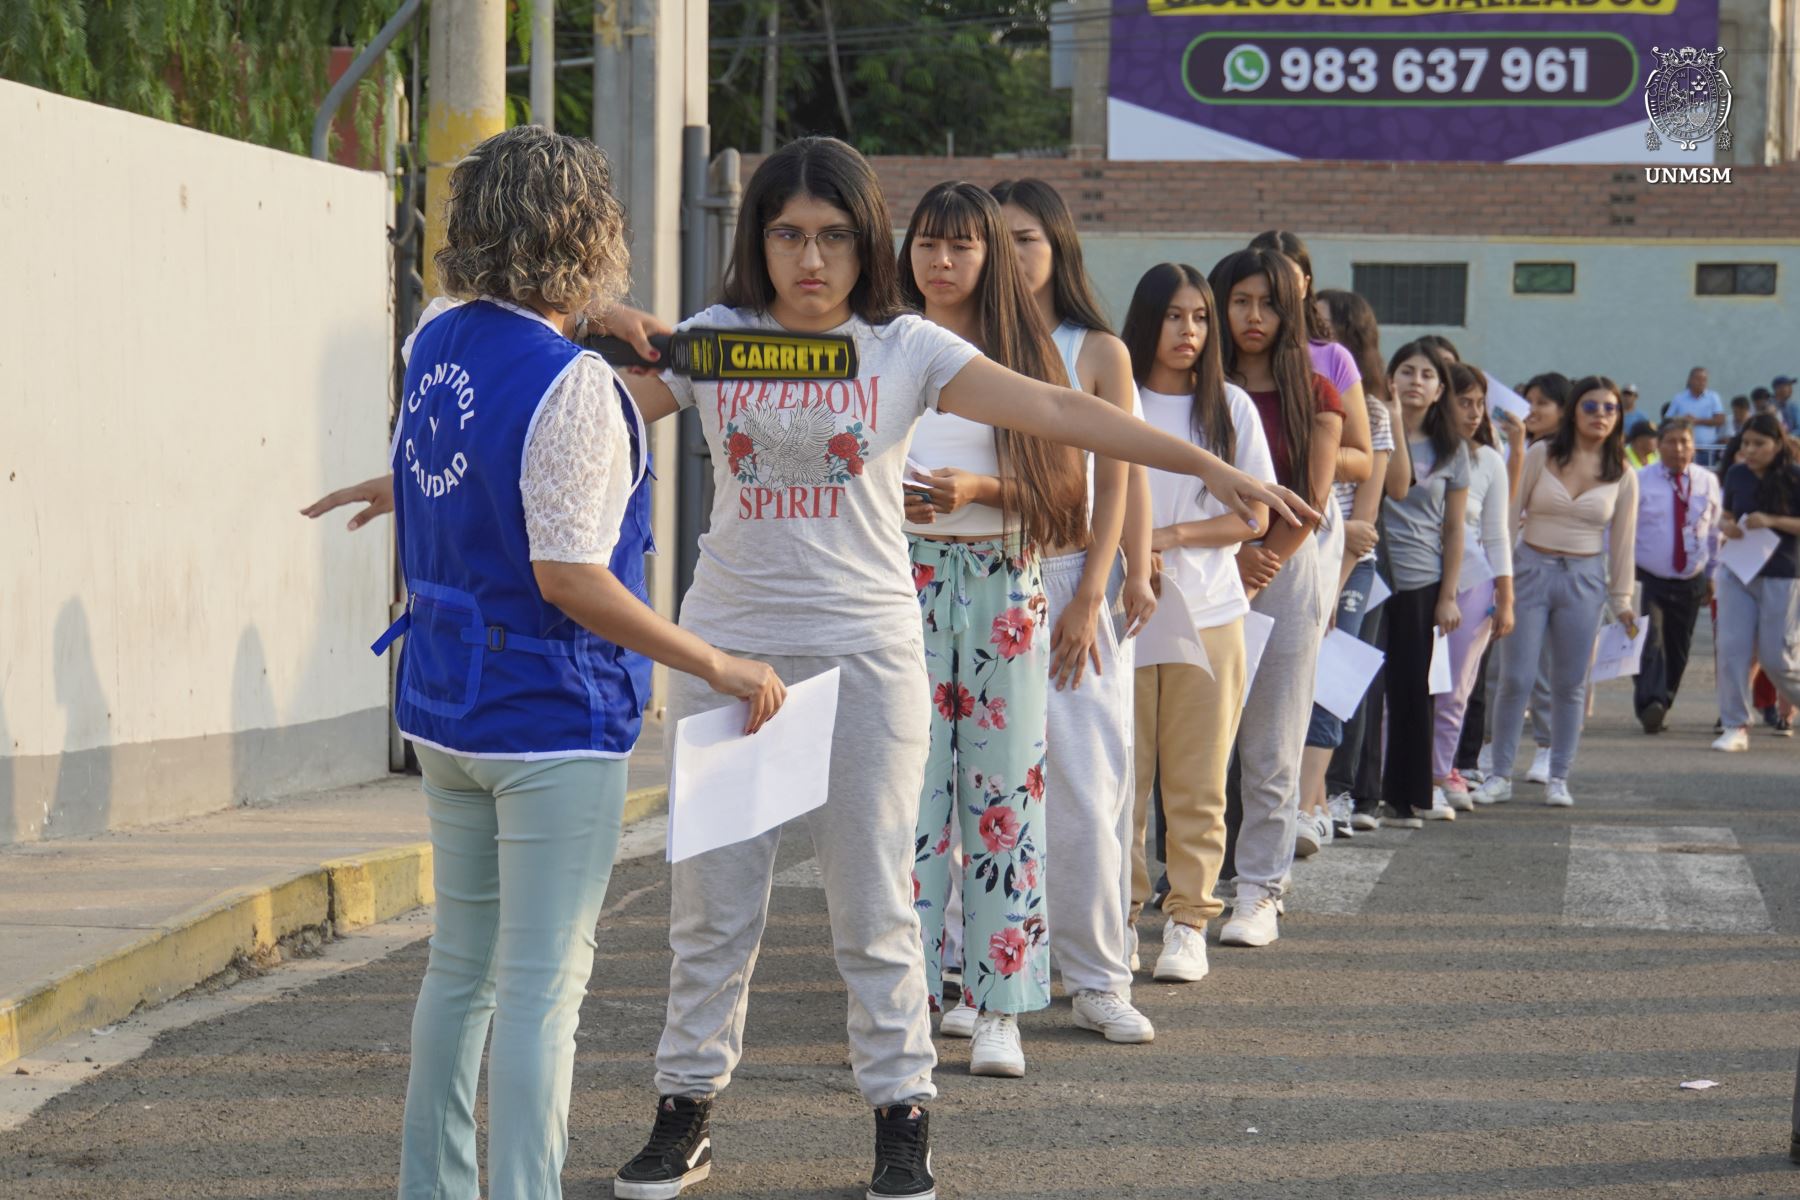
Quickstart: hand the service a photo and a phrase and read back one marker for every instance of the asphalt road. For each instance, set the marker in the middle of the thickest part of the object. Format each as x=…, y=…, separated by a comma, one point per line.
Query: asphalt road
x=1503, y=1006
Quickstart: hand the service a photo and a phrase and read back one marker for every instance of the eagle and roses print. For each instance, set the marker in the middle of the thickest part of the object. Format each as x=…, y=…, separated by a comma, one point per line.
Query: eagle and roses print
x=794, y=447
x=987, y=648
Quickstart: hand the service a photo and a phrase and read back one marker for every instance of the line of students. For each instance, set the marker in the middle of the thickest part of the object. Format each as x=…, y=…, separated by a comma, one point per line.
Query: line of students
x=985, y=689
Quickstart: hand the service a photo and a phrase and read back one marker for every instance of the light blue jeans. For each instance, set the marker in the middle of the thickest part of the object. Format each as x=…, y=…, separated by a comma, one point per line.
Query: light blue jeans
x=521, y=855
x=1759, y=623
x=1557, y=606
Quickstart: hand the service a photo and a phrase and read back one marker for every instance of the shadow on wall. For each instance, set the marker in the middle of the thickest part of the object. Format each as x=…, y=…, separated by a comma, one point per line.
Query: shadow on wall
x=9, y=826
x=256, y=734
x=83, y=799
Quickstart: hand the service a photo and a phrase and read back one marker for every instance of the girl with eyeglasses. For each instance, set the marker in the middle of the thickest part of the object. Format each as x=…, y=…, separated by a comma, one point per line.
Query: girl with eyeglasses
x=1424, y=548
x=1088, y=790
x=1576, y=521
x=1187, y=715
x=1758, y=621
x=996, y=500
x=1302, y=417
x=1486, y=596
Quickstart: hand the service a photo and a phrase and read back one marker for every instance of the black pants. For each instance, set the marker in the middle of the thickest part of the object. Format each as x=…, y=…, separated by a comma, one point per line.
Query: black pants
x=1356, y=764
x=1406, y=780
x=1468, y=743
x=1672, y=606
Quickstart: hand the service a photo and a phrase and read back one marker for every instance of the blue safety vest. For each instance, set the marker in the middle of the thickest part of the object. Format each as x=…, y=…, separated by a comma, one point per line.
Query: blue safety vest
x=489, y=668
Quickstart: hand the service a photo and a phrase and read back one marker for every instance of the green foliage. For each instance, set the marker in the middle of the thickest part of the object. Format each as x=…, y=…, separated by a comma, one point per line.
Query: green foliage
x=247, y=69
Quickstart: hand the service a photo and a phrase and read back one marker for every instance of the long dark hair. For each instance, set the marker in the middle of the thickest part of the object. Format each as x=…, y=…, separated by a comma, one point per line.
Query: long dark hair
x=1439, y=426
x=1042, y=482
x=1071, y=290
x=1283, y=242
x=1612, y=450
x=1210, y=416
x=828, y=170
x=1775, y=491
x=1464, y=378
x=1289, y=360
x=1354, y=327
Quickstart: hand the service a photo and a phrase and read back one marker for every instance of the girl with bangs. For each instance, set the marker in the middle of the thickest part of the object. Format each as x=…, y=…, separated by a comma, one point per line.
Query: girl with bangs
x=997, y=499
x=1424, y=545
x=804, y=567
x=1302, y=418
x=1187, y=715
x=1575, y=529
x=1088, y=785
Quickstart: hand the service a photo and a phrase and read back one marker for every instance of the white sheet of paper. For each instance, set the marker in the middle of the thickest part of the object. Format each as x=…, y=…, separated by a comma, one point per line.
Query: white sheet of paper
x=1749, y=554
x=915, y=469
x=1440, y=662
x=1502, y=399
x=1379, y=591
x=1617, y=653
x=726, y=788
x=1170, y=635
x=1347, y=666
x=1257, y=629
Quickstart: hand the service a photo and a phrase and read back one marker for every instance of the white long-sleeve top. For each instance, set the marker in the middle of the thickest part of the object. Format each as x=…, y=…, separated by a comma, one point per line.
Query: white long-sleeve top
x=1490, y=537
x=576, y=478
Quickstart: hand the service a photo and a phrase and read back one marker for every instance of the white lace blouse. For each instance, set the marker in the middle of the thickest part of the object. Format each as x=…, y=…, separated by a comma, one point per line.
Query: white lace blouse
x=577, y=473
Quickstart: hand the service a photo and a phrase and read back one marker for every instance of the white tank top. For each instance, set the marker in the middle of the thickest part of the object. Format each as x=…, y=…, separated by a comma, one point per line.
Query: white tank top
x=946, y=440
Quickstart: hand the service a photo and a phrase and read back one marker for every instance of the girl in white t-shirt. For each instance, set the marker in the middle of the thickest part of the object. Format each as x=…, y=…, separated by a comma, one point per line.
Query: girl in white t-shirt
x=1187, y=712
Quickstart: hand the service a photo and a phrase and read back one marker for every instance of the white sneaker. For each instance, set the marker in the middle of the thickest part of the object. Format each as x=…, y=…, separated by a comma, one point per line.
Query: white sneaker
x=1484, y=762
x=1255, y=918
x=1364, y=822
x=996, y=1050
x=1556, y=794
x=1183, y=957
x=959, y=1022
x=1540, y=766
x=1440, y=809
x=1457, y=798
x=1306, y=836
x=1111, y=1014
x=1343, y=818
x=1495, y=789
x=1327, y=830
x=1137, y=963
x=1732, y=740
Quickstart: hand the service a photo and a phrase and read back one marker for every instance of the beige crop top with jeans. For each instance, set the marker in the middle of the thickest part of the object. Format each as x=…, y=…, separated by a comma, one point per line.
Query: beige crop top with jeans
x=1550, y=519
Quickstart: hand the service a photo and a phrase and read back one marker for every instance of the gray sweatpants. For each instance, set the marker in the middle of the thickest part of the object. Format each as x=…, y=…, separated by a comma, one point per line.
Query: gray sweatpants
x=1272, y=734
x=1758, y=622
x=1087, y=805
x=863, y=837
x=1557, y=603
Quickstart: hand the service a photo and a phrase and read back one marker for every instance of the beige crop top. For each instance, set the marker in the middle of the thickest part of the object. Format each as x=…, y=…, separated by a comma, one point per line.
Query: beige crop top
x=1603, y=518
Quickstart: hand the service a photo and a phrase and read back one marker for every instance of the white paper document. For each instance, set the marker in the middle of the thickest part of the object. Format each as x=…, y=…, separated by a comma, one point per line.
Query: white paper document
x=726, y=788
x=915, y=469
x=1502, y=399
x=1749, y=554
x=1347, y=666
x=1257, y=629
x=1440, y=662
x=1616, y=652
x=1379, y=591
x=1170, y=635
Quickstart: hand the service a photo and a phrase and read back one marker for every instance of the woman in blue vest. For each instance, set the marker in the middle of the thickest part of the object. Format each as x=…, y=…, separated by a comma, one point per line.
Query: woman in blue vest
x=522, y=508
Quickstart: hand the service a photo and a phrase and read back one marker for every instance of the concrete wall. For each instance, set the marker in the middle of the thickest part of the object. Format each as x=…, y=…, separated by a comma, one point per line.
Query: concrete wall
x=196, y=341
x=1634, y=315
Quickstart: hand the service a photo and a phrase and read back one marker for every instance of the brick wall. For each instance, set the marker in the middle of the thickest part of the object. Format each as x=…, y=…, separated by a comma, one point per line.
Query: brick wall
x=1427, y=199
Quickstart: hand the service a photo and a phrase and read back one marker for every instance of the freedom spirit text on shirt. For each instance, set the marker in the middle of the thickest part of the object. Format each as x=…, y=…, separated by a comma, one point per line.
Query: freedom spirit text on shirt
x=433, y=483
x=794, y=446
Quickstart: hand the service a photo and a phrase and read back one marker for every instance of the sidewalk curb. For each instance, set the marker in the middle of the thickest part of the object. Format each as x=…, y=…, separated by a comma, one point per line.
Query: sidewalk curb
x=192, y=946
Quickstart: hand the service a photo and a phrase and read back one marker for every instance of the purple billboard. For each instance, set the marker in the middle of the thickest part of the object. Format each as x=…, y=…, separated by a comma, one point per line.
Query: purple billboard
x=1409, y=80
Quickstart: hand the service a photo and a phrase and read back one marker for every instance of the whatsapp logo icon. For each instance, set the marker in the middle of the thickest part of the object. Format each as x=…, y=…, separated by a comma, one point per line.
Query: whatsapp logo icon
x=1246, y=68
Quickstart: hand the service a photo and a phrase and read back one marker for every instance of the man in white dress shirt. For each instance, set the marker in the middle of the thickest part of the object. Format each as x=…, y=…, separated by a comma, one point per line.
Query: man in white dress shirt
x=1702, y=406
x=1677, y=546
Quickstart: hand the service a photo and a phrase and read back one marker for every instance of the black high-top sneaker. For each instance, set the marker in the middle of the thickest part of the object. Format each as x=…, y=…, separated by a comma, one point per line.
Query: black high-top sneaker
x=902, y=1155
x=678, y=1153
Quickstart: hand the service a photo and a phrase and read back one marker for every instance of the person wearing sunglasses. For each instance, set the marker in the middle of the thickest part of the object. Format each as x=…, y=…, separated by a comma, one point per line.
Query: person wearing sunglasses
x=1575, y=494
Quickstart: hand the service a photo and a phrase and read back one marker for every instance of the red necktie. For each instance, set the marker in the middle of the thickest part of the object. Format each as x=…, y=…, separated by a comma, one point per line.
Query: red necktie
x=1680, y=484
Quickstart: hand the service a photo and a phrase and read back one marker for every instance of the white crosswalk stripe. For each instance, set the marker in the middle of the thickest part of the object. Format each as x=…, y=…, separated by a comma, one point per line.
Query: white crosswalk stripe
x=1692, y=877
x=1340, y=878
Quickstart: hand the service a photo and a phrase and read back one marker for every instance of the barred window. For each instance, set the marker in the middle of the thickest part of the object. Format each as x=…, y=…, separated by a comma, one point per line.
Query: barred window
x=1734, y=279
x=1414, y=293
x=1544, y=278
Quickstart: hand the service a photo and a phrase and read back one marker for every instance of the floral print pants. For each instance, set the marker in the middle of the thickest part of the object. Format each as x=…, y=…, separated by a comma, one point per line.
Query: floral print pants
x=987, y=649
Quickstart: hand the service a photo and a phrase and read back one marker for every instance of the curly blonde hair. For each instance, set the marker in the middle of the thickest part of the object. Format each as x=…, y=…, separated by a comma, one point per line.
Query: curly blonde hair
x=532, y=216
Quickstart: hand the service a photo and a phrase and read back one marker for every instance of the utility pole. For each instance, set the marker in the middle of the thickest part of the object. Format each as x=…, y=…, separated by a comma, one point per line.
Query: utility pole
x=543, y=63
x=771, y=78
x=467, y=93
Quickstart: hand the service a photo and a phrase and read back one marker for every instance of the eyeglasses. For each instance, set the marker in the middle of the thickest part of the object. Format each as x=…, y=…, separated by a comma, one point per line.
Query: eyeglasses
x=1594, y=408
x=788, y=242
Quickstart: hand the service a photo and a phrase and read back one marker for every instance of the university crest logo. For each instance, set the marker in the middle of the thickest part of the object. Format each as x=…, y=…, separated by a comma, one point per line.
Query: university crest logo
x=1688, y=98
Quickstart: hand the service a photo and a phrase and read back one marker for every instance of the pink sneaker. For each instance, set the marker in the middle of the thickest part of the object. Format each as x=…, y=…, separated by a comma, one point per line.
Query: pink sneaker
x=1456, y=783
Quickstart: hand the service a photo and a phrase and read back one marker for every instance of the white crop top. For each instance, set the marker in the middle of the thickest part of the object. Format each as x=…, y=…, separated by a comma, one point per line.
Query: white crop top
x=943, y=439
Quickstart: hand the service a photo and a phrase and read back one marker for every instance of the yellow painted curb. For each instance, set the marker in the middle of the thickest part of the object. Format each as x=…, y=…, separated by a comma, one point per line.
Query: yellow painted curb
x=195, y=945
